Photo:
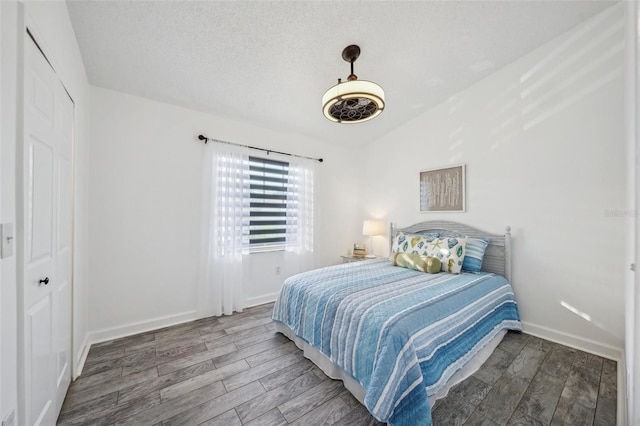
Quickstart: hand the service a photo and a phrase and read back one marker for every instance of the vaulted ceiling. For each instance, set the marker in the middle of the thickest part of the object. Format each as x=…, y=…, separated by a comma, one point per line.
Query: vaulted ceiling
x=269, y=63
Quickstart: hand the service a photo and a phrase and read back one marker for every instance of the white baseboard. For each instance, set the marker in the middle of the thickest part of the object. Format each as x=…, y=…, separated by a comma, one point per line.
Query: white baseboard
x=140, y=327
x=587, y=345
x=261, y=300
x=78, y=365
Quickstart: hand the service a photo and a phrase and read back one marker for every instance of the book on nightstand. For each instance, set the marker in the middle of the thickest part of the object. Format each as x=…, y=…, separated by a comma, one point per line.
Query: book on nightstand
x=359, y=251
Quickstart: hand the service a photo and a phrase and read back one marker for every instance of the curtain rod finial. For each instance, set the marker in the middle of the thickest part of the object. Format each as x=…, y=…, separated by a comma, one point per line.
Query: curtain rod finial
x=203, y=138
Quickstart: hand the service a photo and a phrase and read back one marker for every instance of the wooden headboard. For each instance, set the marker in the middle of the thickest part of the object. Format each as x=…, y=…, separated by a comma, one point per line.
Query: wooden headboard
x=497, y=257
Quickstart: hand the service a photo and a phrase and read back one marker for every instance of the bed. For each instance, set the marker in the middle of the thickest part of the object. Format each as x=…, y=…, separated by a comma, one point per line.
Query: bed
x=399, y=338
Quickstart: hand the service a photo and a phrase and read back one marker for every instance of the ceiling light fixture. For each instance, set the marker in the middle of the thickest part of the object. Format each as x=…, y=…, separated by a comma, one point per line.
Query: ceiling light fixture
x=353, y=101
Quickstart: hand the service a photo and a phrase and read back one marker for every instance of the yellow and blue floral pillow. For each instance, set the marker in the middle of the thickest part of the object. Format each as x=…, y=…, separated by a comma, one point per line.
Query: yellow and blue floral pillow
x=450, y=251
x=412, y=243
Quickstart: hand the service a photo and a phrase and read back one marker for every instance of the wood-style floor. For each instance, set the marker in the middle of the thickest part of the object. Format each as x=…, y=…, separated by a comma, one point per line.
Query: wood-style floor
x=235, y=370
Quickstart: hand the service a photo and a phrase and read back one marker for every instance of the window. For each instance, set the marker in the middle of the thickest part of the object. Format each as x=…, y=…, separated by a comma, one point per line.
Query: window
x=262, y=204
x=268, y=192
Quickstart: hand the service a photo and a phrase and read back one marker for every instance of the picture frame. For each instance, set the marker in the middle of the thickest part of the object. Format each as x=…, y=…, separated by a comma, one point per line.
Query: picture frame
x=443, y=190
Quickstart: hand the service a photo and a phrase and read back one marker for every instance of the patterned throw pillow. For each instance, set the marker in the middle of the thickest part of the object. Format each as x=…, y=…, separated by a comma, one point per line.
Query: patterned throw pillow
x=474, y=253
x=450, y=251
x=412, y=243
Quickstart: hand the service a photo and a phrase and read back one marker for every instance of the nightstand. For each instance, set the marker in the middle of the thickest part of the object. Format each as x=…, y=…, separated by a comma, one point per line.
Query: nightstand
x=349, y=259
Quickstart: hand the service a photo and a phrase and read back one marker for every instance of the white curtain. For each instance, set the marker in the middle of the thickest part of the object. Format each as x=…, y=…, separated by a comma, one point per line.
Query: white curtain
x=300, y=214
x=224, y=230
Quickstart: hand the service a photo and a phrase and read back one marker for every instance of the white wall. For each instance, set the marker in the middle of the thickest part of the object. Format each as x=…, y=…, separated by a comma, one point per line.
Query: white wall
x=8, y=297
x=1, y=178
x=543, y=141
x=631, y=375
x=59, y=43
x=145, y=210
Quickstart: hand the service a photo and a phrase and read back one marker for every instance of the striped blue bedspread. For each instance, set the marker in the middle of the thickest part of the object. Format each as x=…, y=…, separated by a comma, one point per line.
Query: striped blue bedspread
x=400, y=333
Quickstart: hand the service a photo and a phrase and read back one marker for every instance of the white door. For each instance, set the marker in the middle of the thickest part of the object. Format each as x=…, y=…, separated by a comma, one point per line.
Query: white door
x=45, y=191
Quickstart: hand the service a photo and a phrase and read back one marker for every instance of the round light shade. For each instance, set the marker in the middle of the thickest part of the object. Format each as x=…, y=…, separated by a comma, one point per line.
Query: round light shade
x=353, y=101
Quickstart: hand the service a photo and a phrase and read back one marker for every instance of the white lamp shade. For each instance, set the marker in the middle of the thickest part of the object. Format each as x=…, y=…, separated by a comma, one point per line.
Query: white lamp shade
x=373, y=227
x=354, y=89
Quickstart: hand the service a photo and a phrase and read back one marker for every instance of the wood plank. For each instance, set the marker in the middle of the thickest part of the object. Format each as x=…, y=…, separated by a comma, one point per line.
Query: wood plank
x=242, y=318
x=272, y=418
x=215, y=407
x=138, y=362
x=161, y=382
x=495, y=366
x=558, y=362
x=325, y=415
x=197, y=358
x=586, y=361
x=264, y=403
x=513, y=342
x=248, y=337
x=123, y=341
x=472, y=391
x=129, y=363
x=93, y=406
x=175, y=330
x=503, y=398
x=608, y=381
x=102, y=355
x=478, y=419
x=255, y=373
x=210, y=328
x=541, y=344
x=248, y=341
x=307, y=401
x=199, y=381
x=452, y=411
x=252, y=324
x=278, y=378
x=541, y=398
x=186, y=340
x=358, y=416
x=571, y=413
x=173, y=407
x=229, y=418
x=247, y=351
x=582, y=386
x=114, y=413
x=526, y=363
x=276, y=352
x=176, y=352
x=165, y=343
x=521, y=419
x=85, y=382
x=605, y=412
x=83, y=395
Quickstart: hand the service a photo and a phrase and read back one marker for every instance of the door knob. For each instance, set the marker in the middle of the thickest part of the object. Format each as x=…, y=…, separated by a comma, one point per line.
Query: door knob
x=45, y=281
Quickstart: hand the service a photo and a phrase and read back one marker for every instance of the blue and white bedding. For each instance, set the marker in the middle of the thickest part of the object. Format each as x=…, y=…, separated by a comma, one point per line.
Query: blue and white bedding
x=400, y=333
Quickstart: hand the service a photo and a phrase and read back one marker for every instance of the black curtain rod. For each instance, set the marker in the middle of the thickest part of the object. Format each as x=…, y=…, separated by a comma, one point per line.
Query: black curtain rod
x=206, y=139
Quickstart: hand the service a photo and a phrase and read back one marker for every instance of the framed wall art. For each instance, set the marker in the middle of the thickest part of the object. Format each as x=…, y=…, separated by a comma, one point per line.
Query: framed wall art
x=442, y=190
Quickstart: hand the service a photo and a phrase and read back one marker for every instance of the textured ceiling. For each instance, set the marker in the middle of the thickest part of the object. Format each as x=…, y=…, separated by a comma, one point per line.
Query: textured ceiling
x=269, y=63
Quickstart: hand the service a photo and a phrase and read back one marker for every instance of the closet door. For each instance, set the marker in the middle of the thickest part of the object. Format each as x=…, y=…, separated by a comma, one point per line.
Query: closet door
x=45, y=213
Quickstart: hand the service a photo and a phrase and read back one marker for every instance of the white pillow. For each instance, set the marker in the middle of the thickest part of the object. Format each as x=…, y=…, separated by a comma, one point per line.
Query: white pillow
x=450, y=251
x=412, y=243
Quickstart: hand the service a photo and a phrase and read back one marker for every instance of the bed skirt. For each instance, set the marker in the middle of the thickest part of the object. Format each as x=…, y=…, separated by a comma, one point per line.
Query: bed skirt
x=336, y=373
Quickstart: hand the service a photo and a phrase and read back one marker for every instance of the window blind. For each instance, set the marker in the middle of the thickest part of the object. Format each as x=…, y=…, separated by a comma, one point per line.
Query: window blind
x=267, y=202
